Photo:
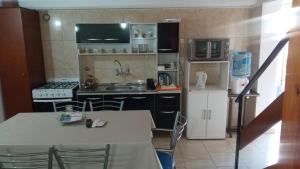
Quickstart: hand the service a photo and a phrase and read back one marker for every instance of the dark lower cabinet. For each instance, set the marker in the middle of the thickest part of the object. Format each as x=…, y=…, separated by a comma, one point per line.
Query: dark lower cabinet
x=124, y=98
x=88, y=98
x=131, y=101
x=142, y=102
x=163, y=107
x=165, y=117
x=135, y=102
x=165, y=110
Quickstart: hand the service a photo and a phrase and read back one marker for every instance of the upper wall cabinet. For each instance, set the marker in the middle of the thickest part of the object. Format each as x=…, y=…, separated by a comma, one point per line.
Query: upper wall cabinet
x=168, y=37
x=143, y=38
x=102, y=33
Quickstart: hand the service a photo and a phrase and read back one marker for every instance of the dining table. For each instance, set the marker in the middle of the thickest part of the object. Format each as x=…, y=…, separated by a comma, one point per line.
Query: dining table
x=128, y=133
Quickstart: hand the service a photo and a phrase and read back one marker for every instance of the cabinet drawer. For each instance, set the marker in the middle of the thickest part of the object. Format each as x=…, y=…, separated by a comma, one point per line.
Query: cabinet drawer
x=167, y=99
x=141, y=102
x=88, y=98
x=124, y=98
x=165, y=117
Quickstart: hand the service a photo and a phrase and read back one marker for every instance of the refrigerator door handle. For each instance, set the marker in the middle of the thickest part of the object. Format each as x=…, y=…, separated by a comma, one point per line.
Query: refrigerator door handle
x=204, y=114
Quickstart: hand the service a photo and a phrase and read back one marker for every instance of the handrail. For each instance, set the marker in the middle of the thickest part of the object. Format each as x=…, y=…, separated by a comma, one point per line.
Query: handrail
x=262, y=69
x=240, y=98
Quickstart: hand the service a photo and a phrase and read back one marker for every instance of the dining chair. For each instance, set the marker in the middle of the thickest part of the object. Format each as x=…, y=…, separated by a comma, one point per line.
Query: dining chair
x=28, y=160
x=70, y=106
x=82, y=157
x=106, y=105
x=166, y=156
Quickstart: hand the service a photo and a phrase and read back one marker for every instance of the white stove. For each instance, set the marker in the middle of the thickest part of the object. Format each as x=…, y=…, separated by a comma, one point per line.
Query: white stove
x=55, y=90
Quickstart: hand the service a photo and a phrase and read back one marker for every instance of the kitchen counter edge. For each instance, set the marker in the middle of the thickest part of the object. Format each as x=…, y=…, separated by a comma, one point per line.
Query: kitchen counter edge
x=80, y=92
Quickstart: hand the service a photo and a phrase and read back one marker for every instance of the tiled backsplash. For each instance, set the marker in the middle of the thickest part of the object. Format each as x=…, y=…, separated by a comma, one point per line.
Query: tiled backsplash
x=104, y=69
x=60, y=51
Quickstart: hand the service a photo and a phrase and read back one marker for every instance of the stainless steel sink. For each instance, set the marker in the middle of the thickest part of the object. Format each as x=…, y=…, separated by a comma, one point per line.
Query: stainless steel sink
x=119, y=88
x=124, y=87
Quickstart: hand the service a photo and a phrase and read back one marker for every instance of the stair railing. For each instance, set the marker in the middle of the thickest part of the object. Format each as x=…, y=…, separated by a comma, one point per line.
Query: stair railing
x=253, y=80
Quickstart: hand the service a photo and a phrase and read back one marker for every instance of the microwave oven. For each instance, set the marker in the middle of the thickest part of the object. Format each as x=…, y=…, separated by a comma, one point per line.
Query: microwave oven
x=208, y=49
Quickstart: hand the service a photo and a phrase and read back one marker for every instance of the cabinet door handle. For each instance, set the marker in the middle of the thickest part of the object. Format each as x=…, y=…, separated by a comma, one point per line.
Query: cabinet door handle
x=209, y=114
x=120, y=98
x=167, y=97
x=138, y=98
x=94, y=98
x=165, y=49
x=167, y=112
x=204, y=114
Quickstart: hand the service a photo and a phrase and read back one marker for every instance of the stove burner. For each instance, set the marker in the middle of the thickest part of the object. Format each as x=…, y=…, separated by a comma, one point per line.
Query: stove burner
x=59, y=85
x=55, y=90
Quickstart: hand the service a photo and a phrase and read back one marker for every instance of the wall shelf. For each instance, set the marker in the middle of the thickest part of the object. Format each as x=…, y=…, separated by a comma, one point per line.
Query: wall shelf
x=212, y=62
x=143, y=38
x=173, y=70
x=109, y=54
x=217, y=73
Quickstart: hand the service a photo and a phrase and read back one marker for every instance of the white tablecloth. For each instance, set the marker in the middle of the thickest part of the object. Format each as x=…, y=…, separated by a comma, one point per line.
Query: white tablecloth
x=128, y=132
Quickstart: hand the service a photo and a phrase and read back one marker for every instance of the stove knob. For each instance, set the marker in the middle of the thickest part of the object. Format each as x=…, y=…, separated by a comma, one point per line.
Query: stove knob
x=58, y=94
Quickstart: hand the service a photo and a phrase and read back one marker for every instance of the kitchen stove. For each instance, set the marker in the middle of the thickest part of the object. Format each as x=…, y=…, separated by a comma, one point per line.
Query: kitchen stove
x=58, y=91
x=55, y=90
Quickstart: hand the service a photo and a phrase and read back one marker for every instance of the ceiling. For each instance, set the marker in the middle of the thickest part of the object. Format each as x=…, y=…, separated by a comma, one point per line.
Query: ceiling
x=85, y=4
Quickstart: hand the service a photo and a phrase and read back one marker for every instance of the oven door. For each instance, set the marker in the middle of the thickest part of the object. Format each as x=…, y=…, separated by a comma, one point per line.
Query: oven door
x=216, y=49
x=46, y=105
x=198, y=49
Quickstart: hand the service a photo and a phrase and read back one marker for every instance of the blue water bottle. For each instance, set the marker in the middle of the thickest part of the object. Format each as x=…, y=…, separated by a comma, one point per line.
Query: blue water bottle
x=241, y=64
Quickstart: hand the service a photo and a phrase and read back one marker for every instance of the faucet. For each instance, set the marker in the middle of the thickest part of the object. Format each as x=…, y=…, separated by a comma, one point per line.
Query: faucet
x=120, y=70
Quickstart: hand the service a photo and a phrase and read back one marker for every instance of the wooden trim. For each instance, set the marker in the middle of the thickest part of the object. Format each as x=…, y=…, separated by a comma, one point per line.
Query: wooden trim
x=289, y=156
x=272, y=167
x=10, y=3
x=269, y=117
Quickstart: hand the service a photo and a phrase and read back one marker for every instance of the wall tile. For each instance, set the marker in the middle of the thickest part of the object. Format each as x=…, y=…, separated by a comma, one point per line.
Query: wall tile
x=60, y=47
x=55, y=30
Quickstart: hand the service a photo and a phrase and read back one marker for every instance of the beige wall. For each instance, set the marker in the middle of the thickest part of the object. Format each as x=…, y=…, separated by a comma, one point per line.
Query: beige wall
x=254, y=27
x=60, y=48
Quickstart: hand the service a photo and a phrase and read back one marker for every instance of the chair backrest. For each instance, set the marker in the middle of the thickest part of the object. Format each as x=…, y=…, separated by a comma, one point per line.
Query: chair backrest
x=71, y=106
x=69, y=157
x=96, y=105
x=179, y=125
x=36, y=160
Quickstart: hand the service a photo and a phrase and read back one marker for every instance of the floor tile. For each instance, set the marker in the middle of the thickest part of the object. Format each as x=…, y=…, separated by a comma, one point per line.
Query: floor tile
x=217, y=146
x=193, y=150
x=220, y=154
x=200, y=164
x=223, y=159
x=241, y=167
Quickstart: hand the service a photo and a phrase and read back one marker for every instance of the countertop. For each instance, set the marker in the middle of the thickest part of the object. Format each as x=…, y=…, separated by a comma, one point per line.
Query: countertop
x=100, y=91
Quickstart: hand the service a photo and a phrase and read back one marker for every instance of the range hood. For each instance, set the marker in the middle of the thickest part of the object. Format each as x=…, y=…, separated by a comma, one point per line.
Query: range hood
x=102, y=33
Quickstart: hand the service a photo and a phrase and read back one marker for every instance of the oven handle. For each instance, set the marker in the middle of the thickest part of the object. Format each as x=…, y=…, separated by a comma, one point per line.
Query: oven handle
x=52, y=100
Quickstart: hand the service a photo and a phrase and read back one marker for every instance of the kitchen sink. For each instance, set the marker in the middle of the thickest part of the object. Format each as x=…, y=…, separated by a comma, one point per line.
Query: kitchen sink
x=119, y=88
x=125, y=87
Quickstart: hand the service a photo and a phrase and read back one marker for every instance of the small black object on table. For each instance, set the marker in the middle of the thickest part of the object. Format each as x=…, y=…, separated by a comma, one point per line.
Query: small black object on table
x=88, y=123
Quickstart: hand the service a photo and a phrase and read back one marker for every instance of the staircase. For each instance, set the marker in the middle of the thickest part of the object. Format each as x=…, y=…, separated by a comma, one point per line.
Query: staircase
x=270, y=116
